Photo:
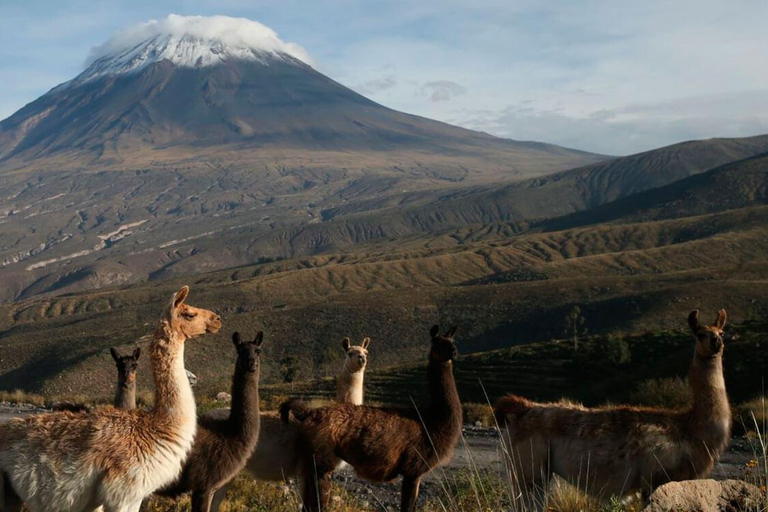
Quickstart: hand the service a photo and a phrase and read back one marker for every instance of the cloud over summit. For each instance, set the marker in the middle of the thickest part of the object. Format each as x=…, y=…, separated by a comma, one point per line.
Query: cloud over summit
x=233, y=32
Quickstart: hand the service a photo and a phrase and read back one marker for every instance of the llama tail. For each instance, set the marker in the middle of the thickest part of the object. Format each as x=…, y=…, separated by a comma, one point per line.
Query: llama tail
x=509, y=408
x=295, y=406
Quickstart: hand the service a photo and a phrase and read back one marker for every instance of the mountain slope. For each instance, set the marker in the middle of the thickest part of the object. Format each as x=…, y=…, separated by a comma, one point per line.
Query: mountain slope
x=588, y=187
x=736, y=185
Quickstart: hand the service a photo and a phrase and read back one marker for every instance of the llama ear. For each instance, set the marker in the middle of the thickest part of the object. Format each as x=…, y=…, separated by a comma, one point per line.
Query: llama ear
x=720, y=322
x=345, y=344
x=136, y=354
x=434, y=331
x=366, y=342
x=451, y=332
x=259, y=339
x=115, y=355
x=236, y=338
x=693, y=320
x=178, y=299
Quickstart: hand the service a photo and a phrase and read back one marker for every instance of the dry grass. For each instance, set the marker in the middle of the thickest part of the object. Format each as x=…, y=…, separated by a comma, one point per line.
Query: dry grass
x=669, y=393
x=248, y=495
x=756, y=470
x=478, y=413
x=752, y=415
x=19, y=396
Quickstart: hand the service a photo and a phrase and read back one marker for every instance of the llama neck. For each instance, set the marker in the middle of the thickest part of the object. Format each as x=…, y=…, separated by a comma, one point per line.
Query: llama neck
x=244, y=414
x=125, y=396
x=174, y=400
x=711, y=413
x=446, y=406
x=349, y=387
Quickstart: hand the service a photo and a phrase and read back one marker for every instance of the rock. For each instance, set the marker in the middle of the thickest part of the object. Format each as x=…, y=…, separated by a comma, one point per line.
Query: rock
x=705, y=495
x=192, y=378
x=224, y=397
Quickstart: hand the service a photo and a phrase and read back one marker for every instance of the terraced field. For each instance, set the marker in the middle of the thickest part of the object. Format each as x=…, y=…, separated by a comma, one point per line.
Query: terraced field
x=552, y=370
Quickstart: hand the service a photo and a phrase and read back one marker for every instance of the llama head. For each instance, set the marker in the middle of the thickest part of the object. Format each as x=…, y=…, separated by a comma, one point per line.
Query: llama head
x=443, y=347
x=709, y=338
x=357, y=355
x=126, y=365
x=189, y=321
x=248, y=352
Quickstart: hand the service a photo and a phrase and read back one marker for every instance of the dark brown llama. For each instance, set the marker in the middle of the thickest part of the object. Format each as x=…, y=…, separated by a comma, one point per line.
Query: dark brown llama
x=383, y=443
x=618, y=450
x=125, y=393
x=224, y=444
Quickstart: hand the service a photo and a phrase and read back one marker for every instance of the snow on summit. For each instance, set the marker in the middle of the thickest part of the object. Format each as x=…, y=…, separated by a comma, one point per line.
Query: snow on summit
x=188, y=41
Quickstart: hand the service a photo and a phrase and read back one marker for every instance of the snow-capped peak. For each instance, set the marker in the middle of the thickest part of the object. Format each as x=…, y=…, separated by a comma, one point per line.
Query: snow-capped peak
x=189, y=41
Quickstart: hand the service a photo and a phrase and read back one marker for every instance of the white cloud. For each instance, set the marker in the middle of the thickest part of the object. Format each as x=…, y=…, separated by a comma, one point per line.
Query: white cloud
x=235, y=32
x=376, y=85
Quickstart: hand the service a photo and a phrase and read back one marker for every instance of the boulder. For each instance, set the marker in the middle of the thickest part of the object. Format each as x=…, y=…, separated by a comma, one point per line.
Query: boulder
x=705, y=496
x=224, y=397
x=192, y=378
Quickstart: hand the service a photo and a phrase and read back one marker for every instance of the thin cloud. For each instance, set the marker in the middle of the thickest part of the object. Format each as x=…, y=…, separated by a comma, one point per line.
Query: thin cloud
x=442, y=90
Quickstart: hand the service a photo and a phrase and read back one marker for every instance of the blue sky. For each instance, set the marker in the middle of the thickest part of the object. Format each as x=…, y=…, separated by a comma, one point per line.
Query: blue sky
x=613, y=77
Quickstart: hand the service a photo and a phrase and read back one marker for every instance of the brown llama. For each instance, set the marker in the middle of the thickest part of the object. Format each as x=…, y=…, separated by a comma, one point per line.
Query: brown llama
x=223, y=445
x=277, y=457
x=125, y=392
x=618, y=450
x=379, y=443
x=67, y=462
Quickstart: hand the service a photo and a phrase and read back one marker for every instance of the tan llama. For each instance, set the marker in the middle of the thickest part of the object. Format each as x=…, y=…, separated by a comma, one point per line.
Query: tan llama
x=277, y=457
x=618, y=450
x=76, y=462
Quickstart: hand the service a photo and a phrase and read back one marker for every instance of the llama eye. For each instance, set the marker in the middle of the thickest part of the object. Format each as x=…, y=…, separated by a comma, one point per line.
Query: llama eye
x=189, y=316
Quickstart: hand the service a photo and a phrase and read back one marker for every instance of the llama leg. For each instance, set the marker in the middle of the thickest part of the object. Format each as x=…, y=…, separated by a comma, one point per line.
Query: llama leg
x=201, y=501
x=315, y=487
x=218, y=498
x=529, y=470
x=9, y=500
x=409, y=494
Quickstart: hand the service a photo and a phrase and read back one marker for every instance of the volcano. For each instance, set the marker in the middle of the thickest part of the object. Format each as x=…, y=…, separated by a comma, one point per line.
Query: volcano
x=194, y=86
x=192, y=144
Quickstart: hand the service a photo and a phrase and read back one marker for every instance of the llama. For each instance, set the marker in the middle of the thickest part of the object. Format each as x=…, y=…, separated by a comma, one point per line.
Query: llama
x=379, y=443
x=349, y=384
x=76, y=462
x=619, y=450
x=125, y=393
x=276, y=457
x=223, y=445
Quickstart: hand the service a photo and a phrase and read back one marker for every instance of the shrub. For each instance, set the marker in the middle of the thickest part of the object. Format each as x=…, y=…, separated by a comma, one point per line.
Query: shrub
x=614, y=349
x=474, y=412
x=751, y=416
x=672, y=393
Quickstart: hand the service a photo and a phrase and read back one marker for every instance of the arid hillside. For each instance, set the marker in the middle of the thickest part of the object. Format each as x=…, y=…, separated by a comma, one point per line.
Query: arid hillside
x=501, y=287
